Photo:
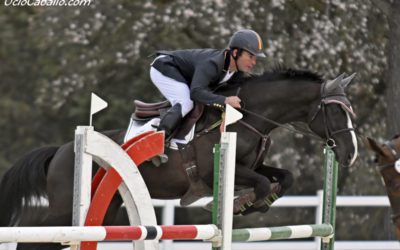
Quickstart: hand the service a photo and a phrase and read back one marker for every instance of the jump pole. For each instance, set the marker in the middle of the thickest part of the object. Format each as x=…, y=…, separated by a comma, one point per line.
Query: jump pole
x=74, y=235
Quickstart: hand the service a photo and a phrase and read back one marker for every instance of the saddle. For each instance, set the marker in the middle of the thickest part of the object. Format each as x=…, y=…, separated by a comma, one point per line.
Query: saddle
x=146, y=111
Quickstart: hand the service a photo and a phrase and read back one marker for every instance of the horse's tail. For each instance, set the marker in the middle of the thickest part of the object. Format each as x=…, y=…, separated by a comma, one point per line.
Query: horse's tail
x=23, y=184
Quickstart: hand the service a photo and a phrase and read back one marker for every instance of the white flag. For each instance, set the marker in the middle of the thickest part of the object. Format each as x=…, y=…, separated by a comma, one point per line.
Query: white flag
x=96, y=104
x=231, y=115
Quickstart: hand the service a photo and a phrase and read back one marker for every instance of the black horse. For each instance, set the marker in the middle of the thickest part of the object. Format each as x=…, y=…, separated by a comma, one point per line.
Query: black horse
x=283, y=96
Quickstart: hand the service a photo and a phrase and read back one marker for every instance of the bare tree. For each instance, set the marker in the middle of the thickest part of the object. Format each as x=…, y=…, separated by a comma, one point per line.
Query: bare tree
x=393, y=71
x=392, y=78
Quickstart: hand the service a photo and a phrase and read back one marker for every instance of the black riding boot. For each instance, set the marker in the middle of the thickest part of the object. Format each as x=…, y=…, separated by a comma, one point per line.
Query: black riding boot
x=170, y=121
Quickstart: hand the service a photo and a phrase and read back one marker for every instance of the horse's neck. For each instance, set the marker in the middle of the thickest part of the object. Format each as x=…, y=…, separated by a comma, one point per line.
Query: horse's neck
x=282, y=101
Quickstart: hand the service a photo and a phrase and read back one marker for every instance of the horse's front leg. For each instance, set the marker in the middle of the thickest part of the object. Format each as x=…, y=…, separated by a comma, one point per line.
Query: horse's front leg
x=250, y=178
x=283, y=180
x=282, y=177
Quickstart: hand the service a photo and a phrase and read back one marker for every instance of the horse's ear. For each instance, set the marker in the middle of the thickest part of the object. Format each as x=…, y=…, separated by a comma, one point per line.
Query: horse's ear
x=347, y=80
x=373, y=145
x=333, y=84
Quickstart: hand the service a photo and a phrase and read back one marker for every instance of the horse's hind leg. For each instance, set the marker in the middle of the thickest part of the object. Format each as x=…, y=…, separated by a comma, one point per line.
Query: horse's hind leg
x=283, y=179
x=112, y=210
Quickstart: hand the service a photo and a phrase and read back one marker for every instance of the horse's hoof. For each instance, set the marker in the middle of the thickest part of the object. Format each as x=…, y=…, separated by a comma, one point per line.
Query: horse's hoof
x=263, y=205
x=243, y=202
x=240, y=211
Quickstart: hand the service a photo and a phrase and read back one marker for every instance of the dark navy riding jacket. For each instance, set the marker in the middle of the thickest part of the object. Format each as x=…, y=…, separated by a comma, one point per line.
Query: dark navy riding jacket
x=201, y=69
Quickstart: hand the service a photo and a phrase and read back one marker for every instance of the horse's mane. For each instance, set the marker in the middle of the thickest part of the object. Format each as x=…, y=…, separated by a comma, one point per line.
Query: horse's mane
x=280, y=72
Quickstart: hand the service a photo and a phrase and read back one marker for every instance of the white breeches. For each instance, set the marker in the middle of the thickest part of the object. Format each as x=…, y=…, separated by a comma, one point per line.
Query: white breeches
x=174, y=91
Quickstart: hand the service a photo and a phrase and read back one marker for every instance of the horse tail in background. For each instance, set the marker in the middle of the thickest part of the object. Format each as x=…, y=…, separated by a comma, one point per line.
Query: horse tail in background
x=23, y=184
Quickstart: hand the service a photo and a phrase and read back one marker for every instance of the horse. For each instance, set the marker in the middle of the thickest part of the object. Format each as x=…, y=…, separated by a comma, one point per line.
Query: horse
x=388, y=159
x=275, y=97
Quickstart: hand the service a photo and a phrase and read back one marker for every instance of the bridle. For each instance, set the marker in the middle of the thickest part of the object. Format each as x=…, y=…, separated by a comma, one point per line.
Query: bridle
x=336, y=97
x=325, y=100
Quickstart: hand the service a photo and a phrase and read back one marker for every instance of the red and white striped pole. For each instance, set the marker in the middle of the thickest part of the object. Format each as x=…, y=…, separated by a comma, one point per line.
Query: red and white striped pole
x=107, y=233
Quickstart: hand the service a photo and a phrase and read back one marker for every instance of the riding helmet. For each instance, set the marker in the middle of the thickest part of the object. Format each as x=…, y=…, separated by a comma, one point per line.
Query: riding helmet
x=248, y=40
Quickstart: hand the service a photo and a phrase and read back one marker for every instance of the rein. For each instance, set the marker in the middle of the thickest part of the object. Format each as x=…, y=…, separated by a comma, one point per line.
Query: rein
x=287, y=127
x=265, y=138
x=326, y=100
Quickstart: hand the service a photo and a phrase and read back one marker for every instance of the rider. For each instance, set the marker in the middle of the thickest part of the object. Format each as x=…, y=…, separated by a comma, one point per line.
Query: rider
x=184, y=76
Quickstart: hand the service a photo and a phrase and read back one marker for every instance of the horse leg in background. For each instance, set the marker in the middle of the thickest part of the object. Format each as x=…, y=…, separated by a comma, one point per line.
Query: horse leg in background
x=50, y=220
x=40, y=246
x=59, y=220
x=283, y=180
x=250, y=178
x=112, y=210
